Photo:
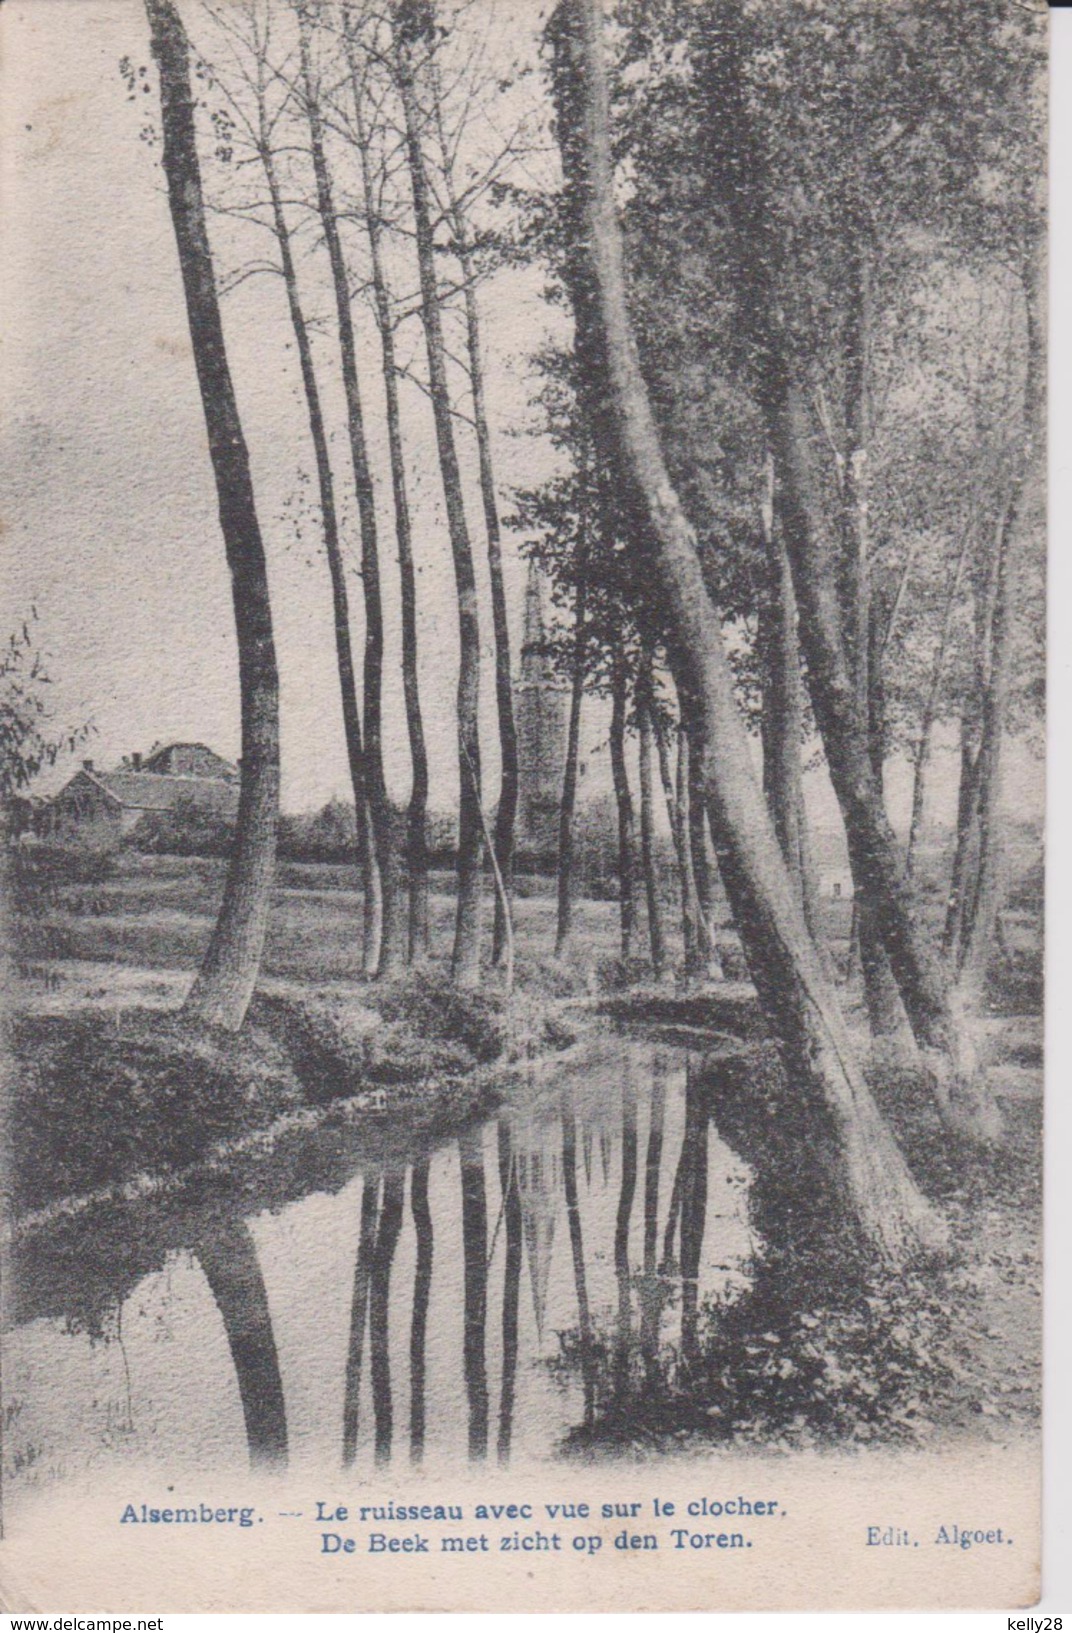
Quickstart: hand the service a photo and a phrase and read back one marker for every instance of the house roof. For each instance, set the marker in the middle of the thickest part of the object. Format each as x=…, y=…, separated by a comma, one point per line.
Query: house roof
x=151, y=791
x=160, y=754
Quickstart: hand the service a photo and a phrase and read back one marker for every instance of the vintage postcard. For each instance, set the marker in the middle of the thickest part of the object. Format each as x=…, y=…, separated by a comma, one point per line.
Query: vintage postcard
x=521, y=735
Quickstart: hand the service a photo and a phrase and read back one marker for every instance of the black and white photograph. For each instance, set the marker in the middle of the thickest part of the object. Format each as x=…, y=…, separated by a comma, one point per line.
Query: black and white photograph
x=522, y=766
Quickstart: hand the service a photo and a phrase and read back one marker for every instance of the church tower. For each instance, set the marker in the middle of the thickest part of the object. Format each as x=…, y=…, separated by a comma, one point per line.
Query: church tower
x=541, y=698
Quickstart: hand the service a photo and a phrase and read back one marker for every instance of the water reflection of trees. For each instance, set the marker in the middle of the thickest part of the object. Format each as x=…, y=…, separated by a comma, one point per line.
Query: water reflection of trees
x=228, y=1256
x=693, y=1209
x=624, y=1335
x=512, y=1219
x=422, y=1292
x=387, y=1234
x=580, y=1279
x=651, y=1285
x=628, y=1353
x=475, y=1264
x=381, y=1222
x=631, y=1373
x=366, y=1243
x=540, y=1171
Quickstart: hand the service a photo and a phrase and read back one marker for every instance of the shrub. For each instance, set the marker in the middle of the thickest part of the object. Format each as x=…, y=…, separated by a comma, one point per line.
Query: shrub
x=875, y=1362
x=394, y=1054
x=327, y=835
x=186, y=830
x=619, y=974
x=734, y=964
x=39, y=872
x=569, y=977
x=431, y=1006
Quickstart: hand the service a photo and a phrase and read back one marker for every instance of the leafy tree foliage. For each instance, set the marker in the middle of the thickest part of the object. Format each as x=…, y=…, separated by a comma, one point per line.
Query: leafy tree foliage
x=29, y=739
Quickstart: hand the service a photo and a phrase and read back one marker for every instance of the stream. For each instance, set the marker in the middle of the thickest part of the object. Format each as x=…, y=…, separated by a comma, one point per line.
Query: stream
x=347, y=1302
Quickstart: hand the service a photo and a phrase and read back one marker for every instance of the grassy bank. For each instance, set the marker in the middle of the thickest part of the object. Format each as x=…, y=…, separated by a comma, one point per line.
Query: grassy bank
x=99, y=1097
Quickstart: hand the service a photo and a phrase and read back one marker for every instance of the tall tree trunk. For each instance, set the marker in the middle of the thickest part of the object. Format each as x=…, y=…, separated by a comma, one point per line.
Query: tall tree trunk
x=656, y=931
x=223, y=987
x=928, y=718
x=568, y=803
x=383, y=946
x=864, y=1173
x=981, y=917
x=417, y=815
x=701, y=856
x=886, y=1012
x=855, y=543
x=412, y=24
x=332, y=543
x=782, y=727
x=624, y=801
x=735, y=172
x=699, y=926
x=506, y=814
x=965, y=854
x=887, y=1017
x=889, y=917
x=920, y=759
x=506, y=906
x=982, y=907
x=891, y=1029
x=675, y=804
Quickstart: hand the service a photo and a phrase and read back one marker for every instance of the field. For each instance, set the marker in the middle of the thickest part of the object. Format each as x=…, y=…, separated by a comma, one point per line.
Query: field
x=135, y=936
x=156, y=913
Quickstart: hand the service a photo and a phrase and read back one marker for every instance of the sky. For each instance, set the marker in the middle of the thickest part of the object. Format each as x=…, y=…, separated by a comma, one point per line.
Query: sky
x=108, y=505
